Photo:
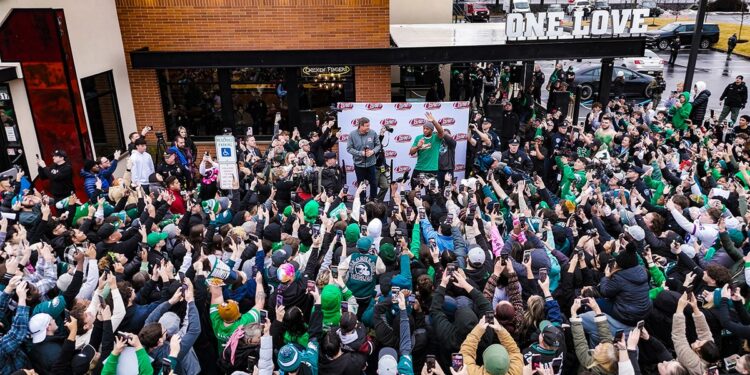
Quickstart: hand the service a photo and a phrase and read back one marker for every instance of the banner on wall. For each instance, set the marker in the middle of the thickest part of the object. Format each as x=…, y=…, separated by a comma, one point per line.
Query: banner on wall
x=406, y=119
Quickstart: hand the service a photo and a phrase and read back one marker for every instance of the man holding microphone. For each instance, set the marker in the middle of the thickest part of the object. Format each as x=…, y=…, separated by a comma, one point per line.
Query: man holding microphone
x=364, y=145
x=427, y=149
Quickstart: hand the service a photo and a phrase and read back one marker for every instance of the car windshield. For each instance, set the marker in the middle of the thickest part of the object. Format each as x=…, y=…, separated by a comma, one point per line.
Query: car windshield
x=648, y=4
x=651, y=54
x=670, y=27
x=583, y=3
x=601, y=3
x=522, y=5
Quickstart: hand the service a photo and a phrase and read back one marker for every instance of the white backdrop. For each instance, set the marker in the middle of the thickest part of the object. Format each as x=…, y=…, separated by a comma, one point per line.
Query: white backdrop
x=407, y=120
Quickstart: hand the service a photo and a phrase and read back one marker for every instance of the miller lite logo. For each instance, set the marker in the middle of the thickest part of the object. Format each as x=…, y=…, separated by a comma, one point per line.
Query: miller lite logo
x=402, y=169
x=373, y=106
x=403, y=138
x=354, y=122
x=447, y=121
x=460, y=167
x=402, y=106
x=461, y=105
x=390, y=154
x=388, y=122
x=345, y=106
x=460, y=137
x=417, y=121
x=349, y=168
x=343, y=137
x=431, y=105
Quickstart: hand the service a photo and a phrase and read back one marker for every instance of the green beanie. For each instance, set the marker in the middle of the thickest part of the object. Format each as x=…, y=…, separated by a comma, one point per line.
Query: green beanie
x=330, y=305
x=496, y=360
x=311, y=211
x=132, y=213
x=288, y=211
x=386, y=253
x=81, y=212
x=351, y=234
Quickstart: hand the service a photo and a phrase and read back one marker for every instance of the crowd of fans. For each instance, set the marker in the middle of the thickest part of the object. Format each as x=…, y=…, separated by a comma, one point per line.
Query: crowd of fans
x=613, y=246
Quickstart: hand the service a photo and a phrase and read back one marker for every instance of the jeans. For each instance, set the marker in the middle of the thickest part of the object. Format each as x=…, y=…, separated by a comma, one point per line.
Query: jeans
x=726, y=110
x=589, y=326
x=368, y=174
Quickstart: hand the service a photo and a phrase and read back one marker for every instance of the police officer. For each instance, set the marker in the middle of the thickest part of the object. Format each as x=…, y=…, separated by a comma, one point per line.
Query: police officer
x=516, y=158
x=330, y=174
x=674, y=48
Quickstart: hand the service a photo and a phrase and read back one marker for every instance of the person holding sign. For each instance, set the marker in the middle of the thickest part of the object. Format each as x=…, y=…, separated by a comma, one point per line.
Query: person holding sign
x=427, y=149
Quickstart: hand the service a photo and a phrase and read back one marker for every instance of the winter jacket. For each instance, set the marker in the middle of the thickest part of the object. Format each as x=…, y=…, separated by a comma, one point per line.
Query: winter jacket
x=187, y=360
x=469, y=351
x=582, y=345
x=699, y=107
x=357, y=144
x=685, y=354
x=734, y=95
x=679, y=115
x=628, y=290
x=60, y=179
x=89, y=184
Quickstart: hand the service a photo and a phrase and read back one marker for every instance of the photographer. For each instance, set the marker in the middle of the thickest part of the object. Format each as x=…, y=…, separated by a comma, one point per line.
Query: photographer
x=381, y=165
x=364, y=145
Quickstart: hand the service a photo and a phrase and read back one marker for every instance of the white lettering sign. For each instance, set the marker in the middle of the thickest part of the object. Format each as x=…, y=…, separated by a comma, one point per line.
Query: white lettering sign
x=602, y=22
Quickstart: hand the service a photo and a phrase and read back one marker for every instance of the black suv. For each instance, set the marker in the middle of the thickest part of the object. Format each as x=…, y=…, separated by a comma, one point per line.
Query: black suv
x=684, y=31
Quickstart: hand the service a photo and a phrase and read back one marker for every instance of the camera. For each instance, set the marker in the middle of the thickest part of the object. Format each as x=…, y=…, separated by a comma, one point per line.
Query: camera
x=160, y=135
x=387, y=128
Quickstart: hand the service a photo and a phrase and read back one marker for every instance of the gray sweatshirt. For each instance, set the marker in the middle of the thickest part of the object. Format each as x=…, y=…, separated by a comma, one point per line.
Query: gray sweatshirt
x=357, y=144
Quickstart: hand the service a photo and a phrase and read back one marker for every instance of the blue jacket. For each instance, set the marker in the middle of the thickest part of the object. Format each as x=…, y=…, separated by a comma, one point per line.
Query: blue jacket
x=106, y=175
x=443, y=242
x=187, y=360
x=180, y=155
x=628, y=291
x=89, y=184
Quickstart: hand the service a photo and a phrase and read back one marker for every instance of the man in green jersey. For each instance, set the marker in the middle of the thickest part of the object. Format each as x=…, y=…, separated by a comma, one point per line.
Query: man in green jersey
x=427, y=149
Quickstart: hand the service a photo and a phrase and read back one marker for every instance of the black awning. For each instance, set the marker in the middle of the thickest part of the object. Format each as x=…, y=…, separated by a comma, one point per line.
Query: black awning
x=8, y=74
x=564, y=49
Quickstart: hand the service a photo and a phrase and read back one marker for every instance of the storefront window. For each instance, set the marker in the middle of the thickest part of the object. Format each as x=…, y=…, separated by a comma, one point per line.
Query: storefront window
x=257, y=94
x=103, y=112
x=191, y=99
x=326, y=85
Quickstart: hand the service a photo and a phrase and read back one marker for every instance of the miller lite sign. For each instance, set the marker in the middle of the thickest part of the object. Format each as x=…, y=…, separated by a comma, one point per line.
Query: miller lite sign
x=431, y=105
x=388, y=122
x=402, y=138
x=374, y=106
x=417, y=121
x=402, y=106
x=402, y=169
x=447, y=121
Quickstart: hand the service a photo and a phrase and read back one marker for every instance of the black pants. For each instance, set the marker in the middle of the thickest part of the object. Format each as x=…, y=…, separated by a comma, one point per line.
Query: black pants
x=367, y=174
x=672, y=57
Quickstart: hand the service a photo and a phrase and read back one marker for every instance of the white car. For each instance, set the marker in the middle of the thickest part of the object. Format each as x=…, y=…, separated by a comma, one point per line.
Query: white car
x=579, y=5
x=650, y=64
x=521, y=6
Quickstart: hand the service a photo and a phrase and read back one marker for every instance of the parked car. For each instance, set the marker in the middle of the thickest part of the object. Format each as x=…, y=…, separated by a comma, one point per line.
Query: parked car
x=650, y=63
x=654, y=10
x=521, y=6
x=476, y=12
x=601, y=5
x=554, y=8
x=684, y=31
x=579, y=5
x=636, y=84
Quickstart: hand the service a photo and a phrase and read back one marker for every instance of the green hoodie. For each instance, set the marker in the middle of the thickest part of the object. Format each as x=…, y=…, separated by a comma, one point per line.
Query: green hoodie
x=311, y=211
x=679, y=115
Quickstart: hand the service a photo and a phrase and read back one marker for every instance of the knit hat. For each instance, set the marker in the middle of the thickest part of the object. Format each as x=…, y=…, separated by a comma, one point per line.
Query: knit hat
x=496, y=360
x=387, y=362
x=387, y=252
x=374, y=228
x=285, y=272
x=311, y=211
x=211, y=205
x=476, y=257
x=272, y=232
x=636, y=232
x=288, y=211
x=171, y=323
x=88, y=164
x=289, y=358
x=551, y=335
x=153, y=238
x=63, y=282
x=224, y=203
x=229, y=311
x=330, y=304
x=351, y=234
x=38, y=327
x=364, y=243
x=401, y=282
x=627, y=258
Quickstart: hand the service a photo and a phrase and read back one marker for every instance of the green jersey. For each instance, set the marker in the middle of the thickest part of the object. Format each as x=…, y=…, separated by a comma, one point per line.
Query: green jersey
x=427, y=159
x=223, y=331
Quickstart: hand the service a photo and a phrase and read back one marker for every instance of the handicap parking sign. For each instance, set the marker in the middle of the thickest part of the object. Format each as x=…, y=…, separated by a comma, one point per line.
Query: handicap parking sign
x=226, y=151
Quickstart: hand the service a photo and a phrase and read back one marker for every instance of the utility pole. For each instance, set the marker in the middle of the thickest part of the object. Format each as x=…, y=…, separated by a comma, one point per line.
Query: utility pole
x=697, y=35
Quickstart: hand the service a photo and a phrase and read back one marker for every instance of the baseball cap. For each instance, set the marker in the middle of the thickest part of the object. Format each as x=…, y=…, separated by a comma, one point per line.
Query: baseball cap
x=476, y=256
x=153, y=238
x=636, y=232
x=551, y=335
x=105, y=231
x=60, y=153
x=82, y=361
x=514, y=141
x=38, y=327
x=329, y=155
x=387, y=362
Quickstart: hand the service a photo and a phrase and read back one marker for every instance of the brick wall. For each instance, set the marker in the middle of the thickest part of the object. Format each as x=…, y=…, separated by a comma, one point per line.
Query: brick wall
x=203, y=25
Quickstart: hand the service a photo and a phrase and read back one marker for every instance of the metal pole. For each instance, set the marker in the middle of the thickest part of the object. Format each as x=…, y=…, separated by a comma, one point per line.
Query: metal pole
x=688, y=83
x=742, y=21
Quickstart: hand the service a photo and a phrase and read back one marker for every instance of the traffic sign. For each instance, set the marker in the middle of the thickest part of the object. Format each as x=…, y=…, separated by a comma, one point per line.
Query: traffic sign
x=225, y=149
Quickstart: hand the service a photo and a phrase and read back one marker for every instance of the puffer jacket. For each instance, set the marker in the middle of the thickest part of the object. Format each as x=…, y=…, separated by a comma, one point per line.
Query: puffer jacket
x=628, y=290
x=699, y=107
x=89, y=184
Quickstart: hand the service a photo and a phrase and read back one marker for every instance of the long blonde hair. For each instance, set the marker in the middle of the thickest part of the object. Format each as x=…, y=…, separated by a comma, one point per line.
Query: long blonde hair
x=606, y=359
x=534, y=313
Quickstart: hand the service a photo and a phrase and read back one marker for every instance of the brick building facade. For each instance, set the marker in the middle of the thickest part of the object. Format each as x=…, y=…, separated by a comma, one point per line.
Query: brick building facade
x=250, y=25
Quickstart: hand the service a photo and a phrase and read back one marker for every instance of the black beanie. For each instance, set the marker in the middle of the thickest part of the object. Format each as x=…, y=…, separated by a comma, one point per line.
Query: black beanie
x=627, y=258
